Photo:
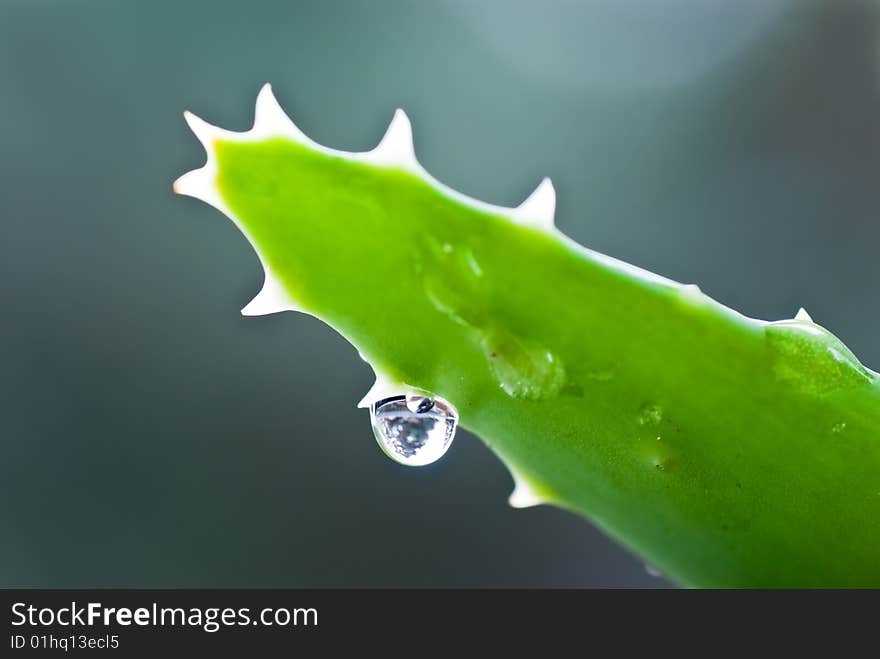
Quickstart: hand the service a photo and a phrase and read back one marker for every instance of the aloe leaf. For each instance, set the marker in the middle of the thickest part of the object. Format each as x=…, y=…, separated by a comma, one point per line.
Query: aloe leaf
x=726, y=451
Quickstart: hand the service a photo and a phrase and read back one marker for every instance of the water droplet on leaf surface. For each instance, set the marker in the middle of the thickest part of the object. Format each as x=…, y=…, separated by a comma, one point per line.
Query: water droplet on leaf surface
x=651, y=414
x=414, y=430
x=812, y=359
x=523, y=369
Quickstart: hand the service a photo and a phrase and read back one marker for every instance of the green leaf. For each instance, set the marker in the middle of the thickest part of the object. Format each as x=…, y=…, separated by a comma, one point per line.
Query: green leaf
x=726, y=451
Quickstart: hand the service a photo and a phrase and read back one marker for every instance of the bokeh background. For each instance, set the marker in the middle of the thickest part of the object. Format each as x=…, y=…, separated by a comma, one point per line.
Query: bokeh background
x=153, y=437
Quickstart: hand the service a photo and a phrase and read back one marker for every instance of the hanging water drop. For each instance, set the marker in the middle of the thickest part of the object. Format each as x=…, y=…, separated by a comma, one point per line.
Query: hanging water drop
x=414, y=430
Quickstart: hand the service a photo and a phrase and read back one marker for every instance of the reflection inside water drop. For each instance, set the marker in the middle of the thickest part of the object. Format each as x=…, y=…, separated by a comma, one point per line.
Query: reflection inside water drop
x=414, y=430
x=419, y=404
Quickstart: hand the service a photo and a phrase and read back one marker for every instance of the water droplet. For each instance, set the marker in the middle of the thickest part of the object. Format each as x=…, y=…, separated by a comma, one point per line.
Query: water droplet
x=650, y=415
x=411, y=431
x=523, y=369
x=454, y=284
x=453, y=281
x=812, y=359
x=839, y=427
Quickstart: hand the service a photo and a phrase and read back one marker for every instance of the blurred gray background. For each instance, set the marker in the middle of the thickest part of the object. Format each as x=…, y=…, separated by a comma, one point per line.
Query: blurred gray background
x=153, y=437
